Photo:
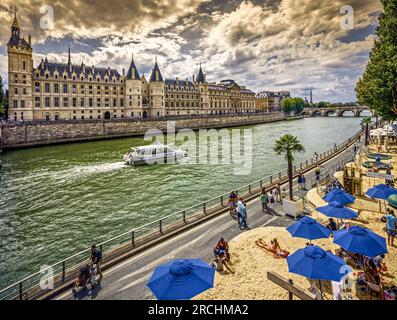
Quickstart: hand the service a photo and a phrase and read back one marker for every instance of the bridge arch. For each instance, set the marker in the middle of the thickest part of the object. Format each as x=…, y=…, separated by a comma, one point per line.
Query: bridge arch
x=364, y=112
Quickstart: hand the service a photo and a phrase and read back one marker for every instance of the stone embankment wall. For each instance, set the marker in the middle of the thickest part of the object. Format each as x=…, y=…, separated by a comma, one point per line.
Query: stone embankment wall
x=27, y=134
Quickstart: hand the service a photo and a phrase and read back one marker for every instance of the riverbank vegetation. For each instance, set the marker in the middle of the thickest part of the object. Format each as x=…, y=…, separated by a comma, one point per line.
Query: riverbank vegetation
x=377, y=88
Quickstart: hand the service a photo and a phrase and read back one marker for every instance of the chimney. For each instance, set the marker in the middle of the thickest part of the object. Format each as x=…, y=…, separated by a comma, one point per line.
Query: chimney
x=194, y=78
x=30, y=40
x=123, y=72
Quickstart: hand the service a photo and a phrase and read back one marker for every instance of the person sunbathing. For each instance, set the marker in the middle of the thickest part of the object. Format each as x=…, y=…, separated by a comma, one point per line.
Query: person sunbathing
x=222, y=247
x=224, y=260
x=273, y=248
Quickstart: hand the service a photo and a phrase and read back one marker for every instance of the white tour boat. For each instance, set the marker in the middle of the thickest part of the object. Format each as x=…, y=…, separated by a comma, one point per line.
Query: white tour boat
x=152, y=154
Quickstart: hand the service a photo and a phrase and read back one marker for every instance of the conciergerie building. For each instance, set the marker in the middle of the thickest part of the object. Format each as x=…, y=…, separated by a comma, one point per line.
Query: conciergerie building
x=55, y=91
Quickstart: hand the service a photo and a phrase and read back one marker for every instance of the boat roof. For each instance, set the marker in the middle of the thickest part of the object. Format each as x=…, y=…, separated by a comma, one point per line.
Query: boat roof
x=152, y=146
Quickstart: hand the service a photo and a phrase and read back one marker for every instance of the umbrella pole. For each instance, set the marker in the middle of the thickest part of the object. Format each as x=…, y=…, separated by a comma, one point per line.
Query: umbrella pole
x=321, y=290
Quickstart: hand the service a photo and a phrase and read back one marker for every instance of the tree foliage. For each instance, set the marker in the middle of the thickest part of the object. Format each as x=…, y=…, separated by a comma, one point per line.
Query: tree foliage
x=377, y=88
x=288, y=145
x=293, y=105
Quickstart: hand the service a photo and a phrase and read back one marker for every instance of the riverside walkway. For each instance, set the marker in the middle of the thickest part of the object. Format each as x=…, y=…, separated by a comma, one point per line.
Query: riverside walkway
x=127, y=280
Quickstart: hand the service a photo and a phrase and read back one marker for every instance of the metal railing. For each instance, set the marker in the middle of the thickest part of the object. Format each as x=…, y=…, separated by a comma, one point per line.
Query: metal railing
x=126, y=242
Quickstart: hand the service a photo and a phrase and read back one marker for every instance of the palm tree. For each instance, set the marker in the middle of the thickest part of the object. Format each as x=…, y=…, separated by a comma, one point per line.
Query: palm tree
x=288, y=145
x=365, y=122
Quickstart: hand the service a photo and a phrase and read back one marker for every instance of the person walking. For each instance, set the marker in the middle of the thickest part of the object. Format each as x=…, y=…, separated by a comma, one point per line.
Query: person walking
x=96, y=258
x=239, y=209
x=277, y=193
x=316, y=157
x=271, y=201
x=300, y=181
x=391, y=223
x=317, y=172
x=243, y=224
x=264, y=200
x=303, y=179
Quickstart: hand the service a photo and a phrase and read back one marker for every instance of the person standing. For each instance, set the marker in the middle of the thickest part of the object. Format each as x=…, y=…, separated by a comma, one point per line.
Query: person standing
x=243, y=224
x=271, y=200
x=277, y=193
x=303, y=182
x=391, y=222
x=300, y=181
x=264, y=200
x=96, y=258
x=317, y=172
x=239, y=209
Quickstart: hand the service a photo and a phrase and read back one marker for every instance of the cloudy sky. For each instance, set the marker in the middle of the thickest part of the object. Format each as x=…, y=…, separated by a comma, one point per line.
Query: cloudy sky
x=263, y=44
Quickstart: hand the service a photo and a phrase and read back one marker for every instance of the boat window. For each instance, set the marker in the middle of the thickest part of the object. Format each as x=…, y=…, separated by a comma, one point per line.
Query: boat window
x=165, y=150
x=154, y=152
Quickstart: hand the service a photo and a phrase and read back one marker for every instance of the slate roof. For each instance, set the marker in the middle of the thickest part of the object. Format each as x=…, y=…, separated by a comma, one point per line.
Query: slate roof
x=133, y=71
x=180, y=83
x=61, y=67
x=200, y=76
x=156, y=74
x=17, y=41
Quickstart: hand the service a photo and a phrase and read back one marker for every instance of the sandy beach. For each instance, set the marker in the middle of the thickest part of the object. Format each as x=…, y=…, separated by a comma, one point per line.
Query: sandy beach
x=252, y=263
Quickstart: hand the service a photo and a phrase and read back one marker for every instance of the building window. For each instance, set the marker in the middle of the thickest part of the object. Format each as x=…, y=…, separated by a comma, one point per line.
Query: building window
x=65, y=102
x=23, y=104
x=81, y=102
x=37, y=87
x=56, y=102
x=24, y=91
x=15, y=104
x=23, y=65
x=47, y=117
x=37, y=102
x=47, y=102
x=74, y=102
x=56, y=117
x=56, y=88
x=16, y=91
x=47, y=88
x=65, y=88
x=90, y=104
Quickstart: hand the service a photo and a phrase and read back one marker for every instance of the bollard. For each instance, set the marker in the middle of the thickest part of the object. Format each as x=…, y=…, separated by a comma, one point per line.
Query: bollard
x=204, y=209
x=133, y=239
x=161, y=226
x=184, y=217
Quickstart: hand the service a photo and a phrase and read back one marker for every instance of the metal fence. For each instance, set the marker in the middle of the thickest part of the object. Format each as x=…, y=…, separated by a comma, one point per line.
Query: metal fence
x=65, y=270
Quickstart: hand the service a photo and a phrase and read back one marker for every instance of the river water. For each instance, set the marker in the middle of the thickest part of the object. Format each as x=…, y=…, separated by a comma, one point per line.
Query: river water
x=57, y=200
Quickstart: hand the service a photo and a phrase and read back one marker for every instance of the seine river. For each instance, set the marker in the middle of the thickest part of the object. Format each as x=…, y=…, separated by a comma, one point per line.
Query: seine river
x=57, y=200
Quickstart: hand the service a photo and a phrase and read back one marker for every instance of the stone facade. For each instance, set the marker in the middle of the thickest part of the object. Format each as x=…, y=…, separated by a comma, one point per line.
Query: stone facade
x=270, y=101
x=25, y=134
x=56, y=91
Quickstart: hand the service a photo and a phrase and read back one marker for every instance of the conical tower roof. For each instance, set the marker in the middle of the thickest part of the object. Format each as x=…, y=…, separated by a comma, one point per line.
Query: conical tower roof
x=156, y=74
x=133, y=73
x=200, y=76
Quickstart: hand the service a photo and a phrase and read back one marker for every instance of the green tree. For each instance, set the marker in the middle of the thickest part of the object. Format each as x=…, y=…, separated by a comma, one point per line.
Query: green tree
x=365, y=123
x=377, y=88
x=288, y=145
x=293, y=105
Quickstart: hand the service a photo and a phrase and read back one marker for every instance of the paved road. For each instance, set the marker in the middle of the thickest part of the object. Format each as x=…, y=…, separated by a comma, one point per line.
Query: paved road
x=127, y=281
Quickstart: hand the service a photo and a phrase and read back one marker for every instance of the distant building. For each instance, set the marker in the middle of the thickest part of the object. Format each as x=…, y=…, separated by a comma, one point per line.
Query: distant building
x=271, y=101
x=56, y=91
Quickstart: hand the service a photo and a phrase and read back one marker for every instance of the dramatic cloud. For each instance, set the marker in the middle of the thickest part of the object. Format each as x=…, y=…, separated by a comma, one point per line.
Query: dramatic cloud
x=264, y=44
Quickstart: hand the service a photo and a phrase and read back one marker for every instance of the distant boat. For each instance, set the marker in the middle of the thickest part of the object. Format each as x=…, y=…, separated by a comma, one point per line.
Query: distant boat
x=153, y=154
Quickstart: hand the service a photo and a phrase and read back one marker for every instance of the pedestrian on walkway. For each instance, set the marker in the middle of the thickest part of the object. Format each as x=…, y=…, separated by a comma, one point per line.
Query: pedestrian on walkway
x=283, y=194
x=264, y=200
x=271, y=200
x=300, y=181
x=243, y=224
x=277, y=193
x=96, y=259
x=238, y=208
x=316, y=157
x=317, y=172
x=303, y=182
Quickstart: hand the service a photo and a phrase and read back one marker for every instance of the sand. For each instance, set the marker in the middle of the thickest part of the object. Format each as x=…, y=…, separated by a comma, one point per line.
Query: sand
x=252, y=263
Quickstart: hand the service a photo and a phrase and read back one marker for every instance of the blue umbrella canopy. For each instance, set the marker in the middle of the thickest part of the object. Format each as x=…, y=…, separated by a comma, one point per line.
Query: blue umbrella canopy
x=337, y=210
x=381, y=191
x=308, y=228
x=361, y=240
x=181, y=279
x=315, y=263
x=340, y=196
